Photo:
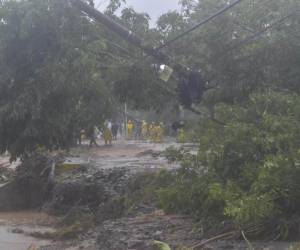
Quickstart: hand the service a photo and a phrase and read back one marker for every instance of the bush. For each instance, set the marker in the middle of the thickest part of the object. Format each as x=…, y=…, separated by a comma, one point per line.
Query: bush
x=248, y=171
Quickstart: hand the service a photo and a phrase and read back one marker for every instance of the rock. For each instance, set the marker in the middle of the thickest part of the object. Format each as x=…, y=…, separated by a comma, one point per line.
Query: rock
x=17, y=231
x=149, y=152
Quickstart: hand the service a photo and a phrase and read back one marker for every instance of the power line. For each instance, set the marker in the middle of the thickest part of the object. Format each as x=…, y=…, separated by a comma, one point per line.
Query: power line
x=218, y=13
x=242, y=26
x=259, y=33
x=230, y=30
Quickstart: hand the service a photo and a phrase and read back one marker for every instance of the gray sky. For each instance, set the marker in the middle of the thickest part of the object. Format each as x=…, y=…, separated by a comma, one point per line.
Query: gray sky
x=153, y=7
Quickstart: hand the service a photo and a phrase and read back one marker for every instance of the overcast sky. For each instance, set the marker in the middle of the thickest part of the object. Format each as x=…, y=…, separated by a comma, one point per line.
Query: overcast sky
x=153, y=7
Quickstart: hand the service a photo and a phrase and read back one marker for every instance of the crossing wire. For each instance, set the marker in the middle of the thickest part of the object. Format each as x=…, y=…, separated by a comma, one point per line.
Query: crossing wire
x=218, y=13
x=261, y=32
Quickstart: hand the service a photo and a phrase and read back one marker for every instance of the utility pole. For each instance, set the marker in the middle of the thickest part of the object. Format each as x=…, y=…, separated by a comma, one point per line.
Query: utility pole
x=126, y=34
x=182, y=72
x=126, y=120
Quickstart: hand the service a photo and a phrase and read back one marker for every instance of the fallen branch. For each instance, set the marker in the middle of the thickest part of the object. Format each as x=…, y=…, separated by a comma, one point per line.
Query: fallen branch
x=228, y=235
x=250, y=247
x=232, y=234
x=32, y=247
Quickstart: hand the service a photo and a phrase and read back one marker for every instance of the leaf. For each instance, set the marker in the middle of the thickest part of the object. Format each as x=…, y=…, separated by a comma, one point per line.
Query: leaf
x=161, y=245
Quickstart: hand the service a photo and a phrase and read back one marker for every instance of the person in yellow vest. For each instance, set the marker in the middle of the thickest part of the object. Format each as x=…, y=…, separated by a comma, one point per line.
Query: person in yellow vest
x=144, y=130
x=159, y=131
x=129, y=129
x=152, y=131
x=107, y=135
x=181, y=135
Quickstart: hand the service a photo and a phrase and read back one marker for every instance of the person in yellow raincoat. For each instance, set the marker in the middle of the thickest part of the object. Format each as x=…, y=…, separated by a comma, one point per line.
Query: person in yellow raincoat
x=159, y=132
x=107, y=135
x=129, y=129
x=151, y=132
x=144, y=130
x=181, y=136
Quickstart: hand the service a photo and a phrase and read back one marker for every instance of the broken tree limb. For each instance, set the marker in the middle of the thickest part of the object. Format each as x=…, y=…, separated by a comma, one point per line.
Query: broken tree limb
x=228, y=235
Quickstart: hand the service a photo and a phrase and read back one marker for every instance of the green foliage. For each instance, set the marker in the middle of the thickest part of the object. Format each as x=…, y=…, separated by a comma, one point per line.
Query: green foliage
x=142, y=189
x=134, y=83
x=113, y=6
x=66, y=230
x=225, y=52
x=50, y=81
x=173, y=154
x=61, y=72
x=247, y=171
x=161, y=245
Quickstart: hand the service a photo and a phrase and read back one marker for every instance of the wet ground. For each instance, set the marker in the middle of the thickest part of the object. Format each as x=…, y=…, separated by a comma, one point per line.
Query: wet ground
x=135, y=232
x=128, y=154
x=257, y=245
x=15, y=228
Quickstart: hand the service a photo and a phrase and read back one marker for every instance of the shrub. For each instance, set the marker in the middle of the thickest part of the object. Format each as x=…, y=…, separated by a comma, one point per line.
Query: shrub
x=248, y=171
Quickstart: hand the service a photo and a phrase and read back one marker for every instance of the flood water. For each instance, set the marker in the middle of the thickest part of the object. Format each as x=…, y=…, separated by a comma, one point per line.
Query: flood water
x=23, y=222
x=13, y=241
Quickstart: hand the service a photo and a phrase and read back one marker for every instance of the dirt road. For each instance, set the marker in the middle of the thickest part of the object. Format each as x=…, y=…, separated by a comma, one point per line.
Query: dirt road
x=107, y=165
x=128, y=154
x=136, y=156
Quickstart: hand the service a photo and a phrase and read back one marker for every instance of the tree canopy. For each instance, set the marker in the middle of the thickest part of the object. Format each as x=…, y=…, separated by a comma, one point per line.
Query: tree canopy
x=246, y=171
x=51, y=83
x=61, y=72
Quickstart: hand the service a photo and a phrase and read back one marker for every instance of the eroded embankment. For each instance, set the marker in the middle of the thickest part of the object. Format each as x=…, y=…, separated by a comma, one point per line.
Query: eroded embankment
x=84, y=194
x=104, y=199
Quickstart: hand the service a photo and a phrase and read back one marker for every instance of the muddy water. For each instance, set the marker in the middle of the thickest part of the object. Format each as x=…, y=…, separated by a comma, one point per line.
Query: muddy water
x=121, y=154
x=13, y=241
x=22, y=223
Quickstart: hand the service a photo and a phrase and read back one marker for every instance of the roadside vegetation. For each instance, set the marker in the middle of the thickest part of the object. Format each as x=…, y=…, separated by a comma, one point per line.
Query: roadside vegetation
x=61, y=72
x=246, y=172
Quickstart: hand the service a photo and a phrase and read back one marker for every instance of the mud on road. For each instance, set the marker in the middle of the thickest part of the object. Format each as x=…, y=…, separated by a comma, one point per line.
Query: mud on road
x=93, y=198
x=90, y=180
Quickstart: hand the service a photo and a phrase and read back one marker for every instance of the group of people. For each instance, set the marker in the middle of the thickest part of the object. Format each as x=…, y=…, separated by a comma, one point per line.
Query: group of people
x=132, y=130
x=109, y=132
x=141, y=130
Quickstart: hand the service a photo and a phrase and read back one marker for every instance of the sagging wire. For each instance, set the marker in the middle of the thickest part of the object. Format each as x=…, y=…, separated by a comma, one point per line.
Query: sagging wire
x=215, y=15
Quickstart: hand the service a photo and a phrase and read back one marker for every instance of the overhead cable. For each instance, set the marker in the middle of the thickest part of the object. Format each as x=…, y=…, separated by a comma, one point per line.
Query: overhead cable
x=259, y=33
x=218, y=13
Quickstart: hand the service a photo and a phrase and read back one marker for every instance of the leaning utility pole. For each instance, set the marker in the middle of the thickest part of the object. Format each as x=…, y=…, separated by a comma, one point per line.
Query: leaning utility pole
x=191, y=85
x=126, y=34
